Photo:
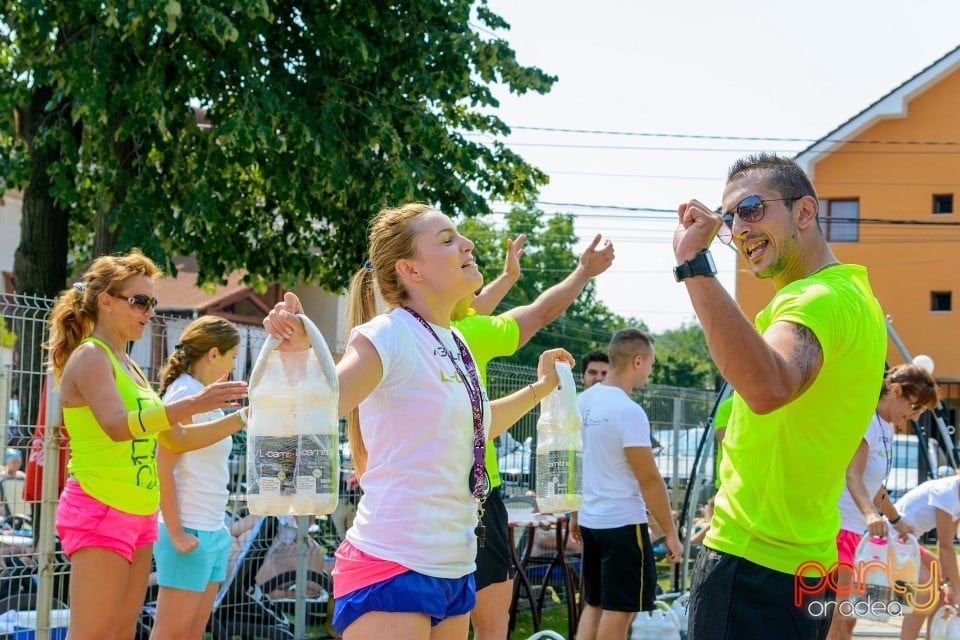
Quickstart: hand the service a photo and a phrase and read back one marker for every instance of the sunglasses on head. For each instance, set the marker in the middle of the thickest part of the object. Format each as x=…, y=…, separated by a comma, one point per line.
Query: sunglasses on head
x=750, y=209
x=139, y=301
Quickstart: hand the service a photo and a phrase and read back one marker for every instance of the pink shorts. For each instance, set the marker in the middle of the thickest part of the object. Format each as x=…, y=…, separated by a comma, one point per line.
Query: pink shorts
x=847, y=542
x=84, y=521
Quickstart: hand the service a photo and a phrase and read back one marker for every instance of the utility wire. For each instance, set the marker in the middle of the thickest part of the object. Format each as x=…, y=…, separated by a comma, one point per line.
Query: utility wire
x=693, y=136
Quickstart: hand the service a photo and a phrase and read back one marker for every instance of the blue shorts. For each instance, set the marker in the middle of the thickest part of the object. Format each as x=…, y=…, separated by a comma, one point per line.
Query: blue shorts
x=195, y=570
x=410, y=592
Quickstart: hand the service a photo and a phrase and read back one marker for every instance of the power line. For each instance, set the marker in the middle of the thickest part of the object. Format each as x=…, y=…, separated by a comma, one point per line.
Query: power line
x=693, y=136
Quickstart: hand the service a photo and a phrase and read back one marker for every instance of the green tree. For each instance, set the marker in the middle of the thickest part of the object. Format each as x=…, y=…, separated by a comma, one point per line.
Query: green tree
x=260, y=135
x=683, y=359
x=548, y=257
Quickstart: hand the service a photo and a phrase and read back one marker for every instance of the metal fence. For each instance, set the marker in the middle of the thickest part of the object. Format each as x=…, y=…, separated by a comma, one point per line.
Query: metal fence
x=259, y=596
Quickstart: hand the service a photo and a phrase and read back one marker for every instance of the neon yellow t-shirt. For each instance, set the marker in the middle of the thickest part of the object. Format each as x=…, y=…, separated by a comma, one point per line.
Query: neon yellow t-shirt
x=782, y=473
x=721, y=418
x=122, y=475
x=489, y=337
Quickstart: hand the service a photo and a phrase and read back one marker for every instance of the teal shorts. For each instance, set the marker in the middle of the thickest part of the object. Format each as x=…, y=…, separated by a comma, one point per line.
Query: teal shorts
x=192, y=571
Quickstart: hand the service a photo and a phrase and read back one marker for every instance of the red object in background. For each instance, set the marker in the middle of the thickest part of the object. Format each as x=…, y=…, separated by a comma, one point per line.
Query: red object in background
x=33, y=487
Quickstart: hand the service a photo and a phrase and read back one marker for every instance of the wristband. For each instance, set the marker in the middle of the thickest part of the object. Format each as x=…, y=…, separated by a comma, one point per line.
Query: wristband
x=147, y=422
x=242, y=415
x=897, y=519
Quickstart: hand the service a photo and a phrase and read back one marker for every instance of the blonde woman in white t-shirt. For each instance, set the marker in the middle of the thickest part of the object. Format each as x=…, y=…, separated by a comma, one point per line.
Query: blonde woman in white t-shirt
x=418, y=423
x=193, y=547
x=907, y=391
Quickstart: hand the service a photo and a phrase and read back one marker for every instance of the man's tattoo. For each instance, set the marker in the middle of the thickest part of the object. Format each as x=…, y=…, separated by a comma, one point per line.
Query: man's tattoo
x=806, y=351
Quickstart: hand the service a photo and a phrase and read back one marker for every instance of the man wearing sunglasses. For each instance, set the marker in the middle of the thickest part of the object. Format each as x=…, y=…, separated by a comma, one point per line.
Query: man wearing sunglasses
x=820, y=343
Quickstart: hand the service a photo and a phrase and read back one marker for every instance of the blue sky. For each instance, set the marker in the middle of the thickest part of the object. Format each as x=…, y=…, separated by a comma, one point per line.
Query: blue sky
x=750, y=68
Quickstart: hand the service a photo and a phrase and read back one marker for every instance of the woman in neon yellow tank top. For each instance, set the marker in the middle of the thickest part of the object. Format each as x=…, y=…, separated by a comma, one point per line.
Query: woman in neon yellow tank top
x=107, y=514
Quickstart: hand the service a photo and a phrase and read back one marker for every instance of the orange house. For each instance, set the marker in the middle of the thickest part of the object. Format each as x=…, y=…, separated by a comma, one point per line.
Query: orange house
x=889, y=182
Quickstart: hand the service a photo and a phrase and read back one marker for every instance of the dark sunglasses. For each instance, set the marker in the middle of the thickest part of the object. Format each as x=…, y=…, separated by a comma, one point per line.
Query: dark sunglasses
x=750, y=209
x=139, y=301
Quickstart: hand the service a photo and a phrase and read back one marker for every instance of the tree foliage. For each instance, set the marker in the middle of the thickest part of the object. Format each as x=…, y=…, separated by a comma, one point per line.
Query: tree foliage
x=548, y=258
x=683, y=359
x=260, y=134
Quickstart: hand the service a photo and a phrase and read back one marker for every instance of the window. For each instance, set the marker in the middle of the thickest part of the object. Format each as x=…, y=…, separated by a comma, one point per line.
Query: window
x=841, y=223
x=940, y=301
x=943, y=203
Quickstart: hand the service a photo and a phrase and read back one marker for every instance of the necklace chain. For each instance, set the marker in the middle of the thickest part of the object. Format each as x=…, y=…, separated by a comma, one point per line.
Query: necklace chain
x=832, y=262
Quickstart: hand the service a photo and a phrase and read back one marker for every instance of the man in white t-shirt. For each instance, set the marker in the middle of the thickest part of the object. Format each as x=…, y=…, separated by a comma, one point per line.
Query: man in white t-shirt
x=935, y=504
x=620, y=480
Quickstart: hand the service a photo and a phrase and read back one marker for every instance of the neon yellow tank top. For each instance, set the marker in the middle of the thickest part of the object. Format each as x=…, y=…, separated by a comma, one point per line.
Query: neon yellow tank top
x=122, y=475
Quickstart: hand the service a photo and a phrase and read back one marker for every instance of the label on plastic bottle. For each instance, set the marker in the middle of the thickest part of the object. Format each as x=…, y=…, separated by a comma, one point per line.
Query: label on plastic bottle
x=559, y=472
x=275, y=463
x=316, y=464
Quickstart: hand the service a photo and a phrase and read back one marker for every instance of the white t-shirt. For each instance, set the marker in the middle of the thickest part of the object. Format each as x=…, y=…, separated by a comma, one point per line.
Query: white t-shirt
x=611, y=492
x=919, y=505
x=417, y=509
x=201, y=476
x=879, y=438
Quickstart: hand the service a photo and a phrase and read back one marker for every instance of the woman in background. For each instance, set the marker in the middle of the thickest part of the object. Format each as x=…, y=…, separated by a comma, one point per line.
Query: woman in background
x=193, y=547
x=107, y=513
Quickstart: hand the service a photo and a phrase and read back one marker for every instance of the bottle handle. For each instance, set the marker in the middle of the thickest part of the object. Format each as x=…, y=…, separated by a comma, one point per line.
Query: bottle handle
x=317, y=344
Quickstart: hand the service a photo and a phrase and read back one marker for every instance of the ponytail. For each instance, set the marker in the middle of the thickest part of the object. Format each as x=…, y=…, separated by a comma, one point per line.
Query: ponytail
x=71, y=322
x=363, y=307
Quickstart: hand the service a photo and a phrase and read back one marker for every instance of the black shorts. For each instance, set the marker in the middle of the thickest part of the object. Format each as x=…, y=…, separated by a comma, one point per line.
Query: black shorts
x=619, y=573
x=494, y=562
x=731, y=597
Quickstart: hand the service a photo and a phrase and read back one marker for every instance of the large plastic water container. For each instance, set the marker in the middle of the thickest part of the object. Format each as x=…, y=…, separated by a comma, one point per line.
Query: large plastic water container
x=559, y=481
x=880, y=563
x=945, y=624
x=659, y=624
x=293, y=437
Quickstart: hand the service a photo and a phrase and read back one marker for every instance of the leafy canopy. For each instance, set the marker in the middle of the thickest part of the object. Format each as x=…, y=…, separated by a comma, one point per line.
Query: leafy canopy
x=312, y=116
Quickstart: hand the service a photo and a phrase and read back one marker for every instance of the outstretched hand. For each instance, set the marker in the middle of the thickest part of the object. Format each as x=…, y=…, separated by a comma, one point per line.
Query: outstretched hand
x=282, y=323
x=221, y=394
x=511, y=259
x=596, y=261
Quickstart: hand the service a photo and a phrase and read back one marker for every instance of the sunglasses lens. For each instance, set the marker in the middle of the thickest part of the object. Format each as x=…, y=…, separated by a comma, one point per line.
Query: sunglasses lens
x=142, y=302
x=750, y=209
x=725, y=234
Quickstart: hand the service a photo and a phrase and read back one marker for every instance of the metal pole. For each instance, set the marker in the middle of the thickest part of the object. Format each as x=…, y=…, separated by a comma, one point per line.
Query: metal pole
x=303, y=557
x=46, y=559
x=953, y=453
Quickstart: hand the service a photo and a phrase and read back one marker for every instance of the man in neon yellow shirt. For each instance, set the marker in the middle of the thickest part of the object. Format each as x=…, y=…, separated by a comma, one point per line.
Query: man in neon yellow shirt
x=819, y=343
x=493, y=336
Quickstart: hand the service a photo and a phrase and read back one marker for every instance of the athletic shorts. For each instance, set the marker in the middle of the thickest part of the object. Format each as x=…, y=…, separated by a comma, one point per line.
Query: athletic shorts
x=410, y=592
x=731, y=597
x=619, y=572
x=192, y=571
x=84, y=521
x=494, y=562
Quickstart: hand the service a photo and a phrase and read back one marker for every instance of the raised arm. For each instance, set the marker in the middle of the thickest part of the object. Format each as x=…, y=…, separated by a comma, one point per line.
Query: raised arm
x=768, y=370
x=554, y=301
x=490, y=296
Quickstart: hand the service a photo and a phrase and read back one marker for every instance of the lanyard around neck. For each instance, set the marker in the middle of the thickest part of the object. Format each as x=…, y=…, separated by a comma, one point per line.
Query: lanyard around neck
x=471, y=380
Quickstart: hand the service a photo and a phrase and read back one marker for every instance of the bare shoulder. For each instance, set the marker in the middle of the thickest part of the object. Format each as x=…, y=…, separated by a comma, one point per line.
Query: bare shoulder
x=87, y=364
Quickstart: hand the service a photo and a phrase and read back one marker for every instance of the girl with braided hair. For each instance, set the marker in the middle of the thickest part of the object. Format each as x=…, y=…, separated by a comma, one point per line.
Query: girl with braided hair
x=193, y=546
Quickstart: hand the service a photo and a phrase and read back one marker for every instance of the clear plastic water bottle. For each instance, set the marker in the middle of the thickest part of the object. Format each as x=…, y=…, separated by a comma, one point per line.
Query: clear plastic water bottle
x=293, y=438
x=559, y=482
